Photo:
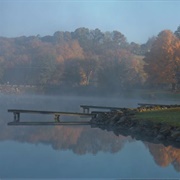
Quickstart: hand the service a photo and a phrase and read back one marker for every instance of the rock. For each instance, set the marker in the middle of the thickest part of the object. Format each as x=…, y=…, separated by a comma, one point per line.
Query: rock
x=134, y=129
x=149, y=132
x=147, y=124
x=121, y=120
x=106, y=121
x=129, y=112
x=160, y=137
x=175, y=134
x=93, y=120
x=115, y=117
x=111, y=122
x=178, y=139
x=165, y=130
x=119, y=112
x=157, y=126
x=155, y=132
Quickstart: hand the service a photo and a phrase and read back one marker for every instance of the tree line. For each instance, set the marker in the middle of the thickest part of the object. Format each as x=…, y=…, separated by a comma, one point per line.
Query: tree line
x=91, y=58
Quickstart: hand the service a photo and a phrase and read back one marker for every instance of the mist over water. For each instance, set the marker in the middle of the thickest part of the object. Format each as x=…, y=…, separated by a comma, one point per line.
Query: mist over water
x=71, y=53
x=77, y=151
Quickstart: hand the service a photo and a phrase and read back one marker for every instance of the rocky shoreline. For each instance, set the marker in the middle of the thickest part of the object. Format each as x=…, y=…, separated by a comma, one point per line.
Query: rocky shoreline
x=124, y=122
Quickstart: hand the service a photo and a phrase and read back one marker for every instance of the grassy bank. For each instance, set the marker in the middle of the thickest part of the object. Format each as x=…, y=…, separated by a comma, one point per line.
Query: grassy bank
x=167, y=116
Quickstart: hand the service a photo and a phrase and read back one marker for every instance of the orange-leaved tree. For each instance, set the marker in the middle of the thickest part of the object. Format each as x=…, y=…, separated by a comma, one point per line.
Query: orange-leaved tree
x=163, y=60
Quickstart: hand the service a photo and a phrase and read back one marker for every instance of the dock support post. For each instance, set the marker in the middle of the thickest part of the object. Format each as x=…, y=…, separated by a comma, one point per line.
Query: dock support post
x=84, y=110
x=16, y=116
x=57, y=118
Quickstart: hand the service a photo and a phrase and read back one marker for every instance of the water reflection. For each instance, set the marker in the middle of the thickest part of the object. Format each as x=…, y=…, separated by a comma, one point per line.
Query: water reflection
x=82, y=140
x=164, y=156
x=79, y=139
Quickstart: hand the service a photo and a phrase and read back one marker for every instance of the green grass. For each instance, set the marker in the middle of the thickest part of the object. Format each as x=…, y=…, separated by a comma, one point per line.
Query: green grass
x=167, y=116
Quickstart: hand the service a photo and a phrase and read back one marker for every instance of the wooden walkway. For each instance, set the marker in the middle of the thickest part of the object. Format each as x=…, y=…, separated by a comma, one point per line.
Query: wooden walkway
x=56, y=114
x=86, y=108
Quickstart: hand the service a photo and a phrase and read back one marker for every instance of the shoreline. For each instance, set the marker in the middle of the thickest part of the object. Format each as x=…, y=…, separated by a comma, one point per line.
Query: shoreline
x=124, y=122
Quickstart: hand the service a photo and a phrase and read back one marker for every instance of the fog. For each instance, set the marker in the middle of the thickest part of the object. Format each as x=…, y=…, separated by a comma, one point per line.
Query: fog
x=70, y=103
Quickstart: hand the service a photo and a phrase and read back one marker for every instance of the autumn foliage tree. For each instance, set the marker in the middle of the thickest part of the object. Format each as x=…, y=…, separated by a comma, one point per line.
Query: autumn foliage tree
x=117, y=70
x=163, y=60
x=85, y=58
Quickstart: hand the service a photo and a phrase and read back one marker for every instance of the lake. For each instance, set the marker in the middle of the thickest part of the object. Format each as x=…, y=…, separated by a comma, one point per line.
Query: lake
x=77, y=151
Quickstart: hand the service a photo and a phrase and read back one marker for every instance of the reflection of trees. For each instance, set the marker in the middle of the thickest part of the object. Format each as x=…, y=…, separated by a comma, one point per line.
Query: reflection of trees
x=176, y=165
x=93, y=141
x=164, y=156
x=79, y=139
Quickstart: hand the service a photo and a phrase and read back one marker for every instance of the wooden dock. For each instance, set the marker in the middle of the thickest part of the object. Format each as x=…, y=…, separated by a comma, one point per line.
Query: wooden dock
x=86, y=108
x=56, y=114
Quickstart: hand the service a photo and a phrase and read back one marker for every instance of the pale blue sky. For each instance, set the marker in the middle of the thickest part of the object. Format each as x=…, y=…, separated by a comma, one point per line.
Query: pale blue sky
x=137, y=20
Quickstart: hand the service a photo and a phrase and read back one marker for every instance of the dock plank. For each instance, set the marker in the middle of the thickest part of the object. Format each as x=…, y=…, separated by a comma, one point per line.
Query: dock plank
x=86, y=108
x=56, y=114
x=48, y=112
x=99, y=107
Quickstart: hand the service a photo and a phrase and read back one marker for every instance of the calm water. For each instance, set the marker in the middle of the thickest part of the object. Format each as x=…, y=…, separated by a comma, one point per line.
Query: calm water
x=77, y=151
